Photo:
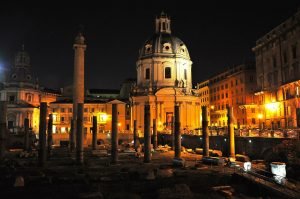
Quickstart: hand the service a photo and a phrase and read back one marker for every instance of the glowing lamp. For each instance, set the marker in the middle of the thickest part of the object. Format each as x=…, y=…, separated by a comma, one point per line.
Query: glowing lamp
x=103, y=117
x=272, y=106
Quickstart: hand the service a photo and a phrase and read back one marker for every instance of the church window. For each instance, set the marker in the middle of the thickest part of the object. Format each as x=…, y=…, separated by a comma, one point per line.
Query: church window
x=147, y=73
x=29, y=98
x=168, y=72
x=185, y=74
x=148, y=48
x=11, y=98
x=166, y=47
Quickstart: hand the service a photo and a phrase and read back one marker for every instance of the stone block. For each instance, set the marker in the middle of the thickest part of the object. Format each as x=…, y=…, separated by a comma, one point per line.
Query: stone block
x=179, y=162
x=19, y=182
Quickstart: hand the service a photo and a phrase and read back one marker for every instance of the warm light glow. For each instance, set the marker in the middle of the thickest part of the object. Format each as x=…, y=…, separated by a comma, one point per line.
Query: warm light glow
x=119, y=124
x=103, y=117
x=54, y=129
x=36, y=119
x=272, y=106
x=212, y=107
x=159, y=123
x=260, y=116
x=54, y=117
x=63, y=129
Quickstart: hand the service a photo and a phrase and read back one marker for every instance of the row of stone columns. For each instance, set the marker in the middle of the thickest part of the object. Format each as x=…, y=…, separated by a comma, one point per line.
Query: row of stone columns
x=205, y=133
x=147, y=134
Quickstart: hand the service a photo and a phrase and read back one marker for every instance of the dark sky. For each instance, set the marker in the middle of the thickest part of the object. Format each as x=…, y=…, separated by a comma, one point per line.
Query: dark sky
x=218, y=34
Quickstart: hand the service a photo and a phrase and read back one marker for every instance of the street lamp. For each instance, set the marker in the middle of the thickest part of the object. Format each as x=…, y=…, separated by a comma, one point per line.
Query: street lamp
x=272, y=108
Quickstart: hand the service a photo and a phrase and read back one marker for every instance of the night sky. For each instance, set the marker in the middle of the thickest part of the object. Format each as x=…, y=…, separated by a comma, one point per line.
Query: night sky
x=218, y=35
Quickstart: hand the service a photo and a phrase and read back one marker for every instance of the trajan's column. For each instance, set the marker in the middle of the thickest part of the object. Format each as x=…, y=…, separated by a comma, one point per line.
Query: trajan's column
x=78, y=82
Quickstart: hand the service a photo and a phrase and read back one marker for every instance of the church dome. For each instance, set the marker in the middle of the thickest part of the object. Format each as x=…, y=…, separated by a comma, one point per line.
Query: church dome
x=20, y=73
x=164, y=60
x=163, y=43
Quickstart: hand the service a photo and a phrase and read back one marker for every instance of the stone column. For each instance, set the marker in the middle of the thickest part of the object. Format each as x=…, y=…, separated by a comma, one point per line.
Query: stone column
x=205, y=133
x=94, y=140
x=114, y=134
x=3, y=128
x=26, y=134
x=42, y=134
x=78, y=82
x=79, y=136
x=173, y=133
x=50, y=138
x=147, y=134
x=135, y=136
x=177, y=138
x=154, y=134
x=231, y=132
x=72, y=135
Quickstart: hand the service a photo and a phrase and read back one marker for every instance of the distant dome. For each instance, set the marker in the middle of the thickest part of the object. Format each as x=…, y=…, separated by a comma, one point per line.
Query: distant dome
x=164, y=44
x=21, y=71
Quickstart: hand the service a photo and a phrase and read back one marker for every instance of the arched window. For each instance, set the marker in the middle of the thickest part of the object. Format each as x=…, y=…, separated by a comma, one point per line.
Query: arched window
x=167, y=72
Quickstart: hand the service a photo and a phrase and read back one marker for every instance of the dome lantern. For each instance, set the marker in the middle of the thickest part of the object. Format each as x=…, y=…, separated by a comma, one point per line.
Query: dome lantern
x=163, y=24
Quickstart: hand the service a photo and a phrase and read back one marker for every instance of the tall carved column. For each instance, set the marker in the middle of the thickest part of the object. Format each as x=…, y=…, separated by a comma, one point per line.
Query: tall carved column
x=78, y=82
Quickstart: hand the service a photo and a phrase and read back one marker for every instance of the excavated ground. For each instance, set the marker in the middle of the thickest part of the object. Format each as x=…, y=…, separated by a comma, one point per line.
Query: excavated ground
x=20, y=177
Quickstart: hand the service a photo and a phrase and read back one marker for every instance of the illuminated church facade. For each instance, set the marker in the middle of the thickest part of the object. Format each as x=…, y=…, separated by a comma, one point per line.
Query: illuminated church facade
x=22, y=93
x=164, y=79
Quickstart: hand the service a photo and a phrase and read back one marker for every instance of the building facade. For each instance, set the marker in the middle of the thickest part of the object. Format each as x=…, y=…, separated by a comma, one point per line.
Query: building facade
x=278, y=74
x=62, y=111
x=164, y=79
x=235, y=87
